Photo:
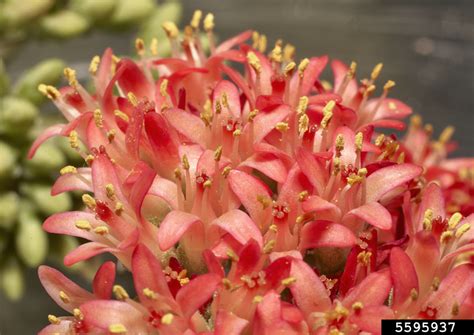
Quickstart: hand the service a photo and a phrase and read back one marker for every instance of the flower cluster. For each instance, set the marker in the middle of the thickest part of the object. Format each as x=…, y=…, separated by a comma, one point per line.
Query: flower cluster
x=255, y=199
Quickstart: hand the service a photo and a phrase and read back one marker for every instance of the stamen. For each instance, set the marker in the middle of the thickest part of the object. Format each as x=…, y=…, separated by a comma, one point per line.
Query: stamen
x=339, y=144
x=446, y=236
x=121, y=115
x=262, y=43
x=218, y=153
x=277, y=54
x=428, y=219
x=196, y=19
x=64, y=297
x=257, y=299
x=288, y=52
x=74, y=139
x=70, y=75
x=435, y=284
x=140, y=47
x=89, y=201
x=462, y=230
x=120, y=293
x=133, y=99
x=83, y=225
x=232, y=255
x=302, y=196
x=389, y=85
x=303, y=124
x=268, y=247
x=359, y=138
x=446, y=135
x=101, y=230
x=167, y=319
x=289, y=69
x=209, y=22
x=53, y=319
x=78, y=314
x=94, y=65
x=376, y=71
x=288, y=281
x=254, y=62
x=68, y=169
x=49, y=91
x=98, y=119
x=164, y=88
x=363, y=258
x=302, y=67
x=454, y=220
x=117, y=328
x=118, y=208
x=170, y=29
x=185, y=162
x=154, y=46
x=302, y=105
x=414, y=294
x=282, y=126
x=150, y=294
x=357, y=306
x=110, y=191
x=325, y=121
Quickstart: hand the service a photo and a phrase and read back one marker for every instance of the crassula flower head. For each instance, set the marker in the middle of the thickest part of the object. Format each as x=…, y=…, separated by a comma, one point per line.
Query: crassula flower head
x=253, y=198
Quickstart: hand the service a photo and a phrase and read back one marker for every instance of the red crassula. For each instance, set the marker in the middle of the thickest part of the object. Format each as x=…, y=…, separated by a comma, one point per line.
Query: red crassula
x=246, y=195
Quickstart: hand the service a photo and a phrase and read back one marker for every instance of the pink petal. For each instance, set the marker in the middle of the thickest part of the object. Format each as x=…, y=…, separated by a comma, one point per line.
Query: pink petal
x=269, y=164
x=166, y=190
x=134, y=132
x=188, y=125
x=403, y=274
x=372, y=291
x=424, y=252
x=309, y=292
x=80, y=181
x=240, y=226
x=86, y=251
x=63, y=327
x=228, y=323
x=432, y=199
x=64, y=224
x=312, y=169
x=264, y=123
x=54, y=282
x=321, y=233
x=141, y=187
x=348, y=154
x=233, y=97
x=234, y=41
x=374, y=214
x=45, y=135
x=247, y=188
x=311, y=74
x=103, y=313
x=103, y=173
x=196, y=293
x=389, y=109
x=340, y=70
x=104, y=281
x=324, y=209
x=173, y=227
x=369, y=319
x=388, y=178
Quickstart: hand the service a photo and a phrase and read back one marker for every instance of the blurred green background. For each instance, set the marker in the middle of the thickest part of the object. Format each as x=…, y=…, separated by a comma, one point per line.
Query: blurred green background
x=427, y=47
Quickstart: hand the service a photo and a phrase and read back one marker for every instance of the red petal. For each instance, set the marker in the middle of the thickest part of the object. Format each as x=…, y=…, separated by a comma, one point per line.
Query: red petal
x=64, y=224
x=188, y=125
x=228, y=323
x=86, y=251
x=45, y=135
x=132, y=79
x=240, y=226
x=231, y=42
x=197, y=292
x=173, y=227
x=80, y=181
x=404, y=276
x=374, y=214
x=312, y=169
x=388, y=178
x=369, y=318
x=269, y=164
x=372, y=291
x=321, y=233
x=432, y=199
x=264, y=123
x=104, y=281
x=324, y=209
x=233, y=97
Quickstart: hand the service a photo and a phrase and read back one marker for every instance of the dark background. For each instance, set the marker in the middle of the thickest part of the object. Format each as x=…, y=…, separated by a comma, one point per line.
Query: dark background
x=427, y=48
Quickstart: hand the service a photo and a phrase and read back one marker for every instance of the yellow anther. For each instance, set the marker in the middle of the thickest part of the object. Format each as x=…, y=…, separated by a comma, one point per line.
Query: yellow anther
x=264, y=200
x=140, y=46
x=98, y=119
x=376, y=71
x=339, y=143
x=209, y=22
x=227, y=283
x=111, y=135
x=122, y=115
x=273, y=228
x=83, y=225
x=232, y=255
x=268, y=247
x=207, y=184
x=389, y=85
x=302, y=105
x=64, y=297
x=302, y=67
x=354, y=179
x=289, y=68
x=257, y=299
x=133, y=99
x=73, y=139
x=237, y=132
x=262, y=43
x=325, y=121
x=362, y=172
x=170, y=29
x=414, y=294
x=49, y=91
x=363, y=258
x=255, y=38
x=282, y=126
x=337, y=165
x=117, y=328
x=368, y=91
x=164, y=88
x=454, y=220
x=226, y=171
x=88, y=201
x=110, y=191
x=462, y=230
x=329, y=107
x=70, y=75
x=94, y=65
x=357, y=306
x=288, y=52
x=196, y=20
x=254, y=62
x=225, y=100
x=218, y=153
x=428, y=219
x=154, y=46
x=446, y=236
x=435, y=284
x=352, y=70
x=53, y=319
x=252, y=115
x=277, y=54
x=68, y=169
x=78, y=314
x=288, y=281
x=379, y=140
x=119, y=208
x=359, y=139
x=401, y=158
x=185, y=162
x=303, y=124
x=167, y=319
x=302, y=196
x=455, y=309
x=101, y=230
x=120, y=293
x=446, y=134
x=149, y=293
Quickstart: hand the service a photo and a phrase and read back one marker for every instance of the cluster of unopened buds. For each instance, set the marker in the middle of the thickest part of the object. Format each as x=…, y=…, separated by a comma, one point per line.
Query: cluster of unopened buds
x=256, y=199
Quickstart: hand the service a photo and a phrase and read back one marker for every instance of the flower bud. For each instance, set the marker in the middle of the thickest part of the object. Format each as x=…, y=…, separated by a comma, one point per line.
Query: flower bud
x=64, y=24
x=9, y=208
x=21, y=12
x=169, y=11
x=93, y=9
x=44, y=201
x=17, y=116
x=31, y=240
x=48, y=160
x=4, y=79
x=129, y=12
x=12, y=280
x=7, y=162
x=48, y=72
